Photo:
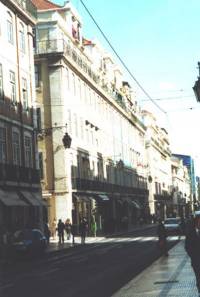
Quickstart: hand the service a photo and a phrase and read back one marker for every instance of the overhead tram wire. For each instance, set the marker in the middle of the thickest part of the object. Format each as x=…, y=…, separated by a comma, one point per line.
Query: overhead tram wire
x=137, y=82
x=171, y=98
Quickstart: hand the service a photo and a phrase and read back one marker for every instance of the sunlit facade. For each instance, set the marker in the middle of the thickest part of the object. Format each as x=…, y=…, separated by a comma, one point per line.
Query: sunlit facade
x=80, y=90
x=20, y=191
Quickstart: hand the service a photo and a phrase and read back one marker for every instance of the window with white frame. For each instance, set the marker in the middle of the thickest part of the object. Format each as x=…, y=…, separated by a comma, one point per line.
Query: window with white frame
x=12, y=86
x=1, y=83
x=28, y=151
x=16, y=148
x=10, y=28
x=22, y=38
x=74, y=83
x=24, y=94
x=79, y=89
x=37, y=75
x=67, y=77
x=2, y=144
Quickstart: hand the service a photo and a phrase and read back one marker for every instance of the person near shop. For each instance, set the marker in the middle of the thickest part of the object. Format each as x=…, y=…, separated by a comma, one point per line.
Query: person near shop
x=162, y=238
x=68, y=228
x=60, y=229
x=53, y=229
x=93, y=227
x=47, y=232
x=83, y=229
x=192, y=247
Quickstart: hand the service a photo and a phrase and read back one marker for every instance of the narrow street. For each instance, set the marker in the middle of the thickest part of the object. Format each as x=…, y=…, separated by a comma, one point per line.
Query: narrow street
x=99, y=269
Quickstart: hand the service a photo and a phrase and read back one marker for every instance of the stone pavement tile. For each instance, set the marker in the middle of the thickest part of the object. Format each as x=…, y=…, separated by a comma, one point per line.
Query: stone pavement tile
x=167, y=277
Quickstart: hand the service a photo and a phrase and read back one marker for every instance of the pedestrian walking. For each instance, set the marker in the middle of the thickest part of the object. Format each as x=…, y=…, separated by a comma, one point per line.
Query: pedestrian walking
x=83, y=230
x=53, y=228
x=60, y=229
x=47, y=232
x=74, y=232
x=192, y=247
x=68, y=228
x=93, y=227
x=162, y=238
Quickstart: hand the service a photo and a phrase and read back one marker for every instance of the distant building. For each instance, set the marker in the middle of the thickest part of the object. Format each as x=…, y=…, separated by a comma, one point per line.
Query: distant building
x=158, y=167
x=181, y=188
x=189, y=163
x=20, y=190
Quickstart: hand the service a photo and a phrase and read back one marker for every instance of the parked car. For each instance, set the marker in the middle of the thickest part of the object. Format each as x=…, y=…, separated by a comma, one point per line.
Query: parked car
x=173, y=226
x=28, y=241
x=197, y=218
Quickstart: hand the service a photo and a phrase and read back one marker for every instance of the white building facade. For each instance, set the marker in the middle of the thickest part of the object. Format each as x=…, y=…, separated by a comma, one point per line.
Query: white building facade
x=159, y=167
x=20, y=191
x=103, y=173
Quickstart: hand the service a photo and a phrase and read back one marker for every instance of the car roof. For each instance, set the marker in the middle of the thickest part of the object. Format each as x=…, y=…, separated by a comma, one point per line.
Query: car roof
x=172, y=219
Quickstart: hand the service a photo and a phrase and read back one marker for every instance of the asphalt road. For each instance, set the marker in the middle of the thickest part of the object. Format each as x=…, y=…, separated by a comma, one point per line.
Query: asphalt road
x=91, y=270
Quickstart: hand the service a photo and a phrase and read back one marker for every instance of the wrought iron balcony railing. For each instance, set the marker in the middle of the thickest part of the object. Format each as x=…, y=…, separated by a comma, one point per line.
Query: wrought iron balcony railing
x=60, y=46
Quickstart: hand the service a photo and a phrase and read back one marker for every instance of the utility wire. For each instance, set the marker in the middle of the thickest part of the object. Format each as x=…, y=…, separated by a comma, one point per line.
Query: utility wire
x=170, y=98
x=137, y=82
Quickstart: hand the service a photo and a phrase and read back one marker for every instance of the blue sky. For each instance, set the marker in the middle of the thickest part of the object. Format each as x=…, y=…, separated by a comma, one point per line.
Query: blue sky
x=159, y=41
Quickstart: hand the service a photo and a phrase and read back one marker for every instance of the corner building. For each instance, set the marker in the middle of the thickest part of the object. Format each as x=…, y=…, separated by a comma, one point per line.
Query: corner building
x=80, y=91
x=20, y=191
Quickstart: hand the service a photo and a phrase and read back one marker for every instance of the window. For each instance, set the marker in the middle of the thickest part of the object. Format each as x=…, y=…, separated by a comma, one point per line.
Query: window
x=16, y=148
x=74, y=83
x=39, y=120
x=24, y=94
x=67, y=77
x=2, y=145
x=37, y=75
x=28, y=151
x=22, y=38
x=12, y=87
x=41, y=165
x=79, y=89
x=76, y=125
x=10, y=28
x=1, y=83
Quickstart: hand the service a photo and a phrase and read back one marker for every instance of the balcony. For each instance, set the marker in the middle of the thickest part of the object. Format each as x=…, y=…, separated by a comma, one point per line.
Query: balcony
x=13, y=173
x=165, y=197
x=61, y=47
x=28, y=7
x=102, y=186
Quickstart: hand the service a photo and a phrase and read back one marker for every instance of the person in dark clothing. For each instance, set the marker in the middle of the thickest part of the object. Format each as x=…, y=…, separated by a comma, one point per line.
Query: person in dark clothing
x=182, y=224
x=68, y=228
x=192, y=247
x=60, y=229
x=83, y=230
x=162, y=238
x=73, y=232
x=47, y=232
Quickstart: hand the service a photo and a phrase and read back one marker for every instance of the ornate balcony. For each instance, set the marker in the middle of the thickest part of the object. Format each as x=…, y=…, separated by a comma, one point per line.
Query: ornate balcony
x=13, y=173
x=61, y=47
x=101, y=186
x=28, y=7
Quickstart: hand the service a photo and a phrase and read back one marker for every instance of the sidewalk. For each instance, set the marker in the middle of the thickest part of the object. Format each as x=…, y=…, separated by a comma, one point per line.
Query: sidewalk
x=167, y=277
x=55, y=247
